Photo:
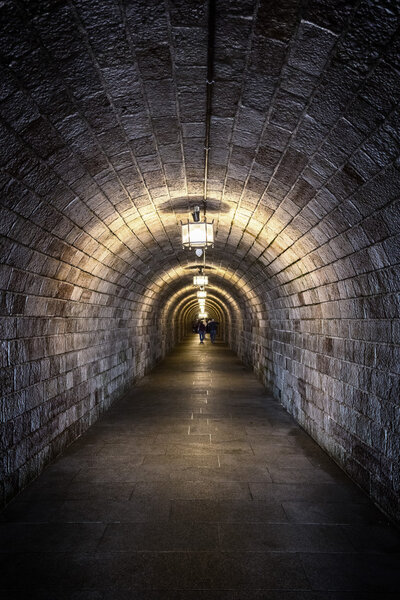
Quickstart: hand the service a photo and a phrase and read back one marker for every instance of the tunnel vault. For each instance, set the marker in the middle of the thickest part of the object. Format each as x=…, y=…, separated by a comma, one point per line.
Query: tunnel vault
x=102, y=128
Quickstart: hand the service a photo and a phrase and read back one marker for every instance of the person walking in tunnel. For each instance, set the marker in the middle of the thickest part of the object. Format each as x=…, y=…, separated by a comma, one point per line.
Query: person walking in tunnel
x=202, y=331
x=212, y=328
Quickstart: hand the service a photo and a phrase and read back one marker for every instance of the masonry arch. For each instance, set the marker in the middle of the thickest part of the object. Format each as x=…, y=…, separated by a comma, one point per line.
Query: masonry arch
x=102, y=127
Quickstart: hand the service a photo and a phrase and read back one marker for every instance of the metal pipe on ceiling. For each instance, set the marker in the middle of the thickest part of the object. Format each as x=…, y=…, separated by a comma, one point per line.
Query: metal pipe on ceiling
x=209, y=92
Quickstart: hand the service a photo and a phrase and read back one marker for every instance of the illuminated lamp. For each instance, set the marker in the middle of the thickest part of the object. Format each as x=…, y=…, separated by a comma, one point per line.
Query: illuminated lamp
x=200, y=280
x=196, y=233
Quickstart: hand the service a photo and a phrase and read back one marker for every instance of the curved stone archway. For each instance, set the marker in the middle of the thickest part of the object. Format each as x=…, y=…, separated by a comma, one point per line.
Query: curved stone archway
x=102, y=125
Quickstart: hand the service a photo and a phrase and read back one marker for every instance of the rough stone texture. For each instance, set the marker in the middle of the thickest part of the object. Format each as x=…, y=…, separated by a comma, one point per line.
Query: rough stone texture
x=196, y=487
x=102, y=153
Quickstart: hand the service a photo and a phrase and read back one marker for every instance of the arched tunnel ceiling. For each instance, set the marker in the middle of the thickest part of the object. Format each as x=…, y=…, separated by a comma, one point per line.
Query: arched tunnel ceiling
x=102, y=134
x=103, y=123
x=185, y=299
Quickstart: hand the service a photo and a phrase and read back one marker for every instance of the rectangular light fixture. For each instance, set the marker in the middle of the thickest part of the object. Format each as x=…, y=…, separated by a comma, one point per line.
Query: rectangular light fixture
x=200, y=280
x=197, y=235
x=201, y=294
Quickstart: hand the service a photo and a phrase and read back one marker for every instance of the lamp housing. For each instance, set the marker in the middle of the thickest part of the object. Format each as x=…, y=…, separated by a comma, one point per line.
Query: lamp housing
x=200, y=280
x=197, y=235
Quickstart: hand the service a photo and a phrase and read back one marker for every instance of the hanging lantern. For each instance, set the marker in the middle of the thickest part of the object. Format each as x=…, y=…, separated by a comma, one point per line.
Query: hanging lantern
x=201, y=294
x=197, y=235
x=200, y=280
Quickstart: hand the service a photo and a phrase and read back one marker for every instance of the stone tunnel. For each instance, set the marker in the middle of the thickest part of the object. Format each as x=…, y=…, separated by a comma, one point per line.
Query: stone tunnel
x=103, y=122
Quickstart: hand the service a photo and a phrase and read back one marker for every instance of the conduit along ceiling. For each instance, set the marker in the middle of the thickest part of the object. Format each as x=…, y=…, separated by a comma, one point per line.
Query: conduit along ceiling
x=103, y=120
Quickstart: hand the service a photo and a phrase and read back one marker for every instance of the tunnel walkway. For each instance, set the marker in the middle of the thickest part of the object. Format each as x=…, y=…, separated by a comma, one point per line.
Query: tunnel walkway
x=197, y=485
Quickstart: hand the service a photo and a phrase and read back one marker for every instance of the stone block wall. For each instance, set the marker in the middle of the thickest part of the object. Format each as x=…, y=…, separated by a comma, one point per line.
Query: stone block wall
x=71, y=343
x=330, y=352
x=339, y=377
x=102, y=144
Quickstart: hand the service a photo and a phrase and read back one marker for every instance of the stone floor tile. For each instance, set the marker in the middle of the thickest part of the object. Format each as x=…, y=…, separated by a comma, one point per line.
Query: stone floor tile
x=22, y=510
x=224, y=430
x=193, y=489
x=170, y=595
x=50, y=537
x=41, y=572
x=50, y=595
x=83, y=448
x=377, y=574
x=162, y=428
x=239, y=473
x=365, y=595
x=184, y=461
x=278, y=447
x=227, y=511
x=98, y=461
x=192, y=450
x=282, y=537
x=196, y=487
x=127, y=439
x=185, y=438
x=241, y=460
x=374, y=538
x=307, y=492
x=129, y=449
x=99, y=510
x=159, y=537
x=332, y=512
x=254, y=594
x=78, y=490
x=293, y=475
x=265, y=570
x=116, y=474
x=231, y=446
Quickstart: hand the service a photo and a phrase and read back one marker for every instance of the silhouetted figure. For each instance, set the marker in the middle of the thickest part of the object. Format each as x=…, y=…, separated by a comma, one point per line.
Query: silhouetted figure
x=202, y=331
x=212, y=328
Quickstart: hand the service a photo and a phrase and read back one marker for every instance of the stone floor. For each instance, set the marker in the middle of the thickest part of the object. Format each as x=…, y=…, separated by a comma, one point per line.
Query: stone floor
x=197, y=485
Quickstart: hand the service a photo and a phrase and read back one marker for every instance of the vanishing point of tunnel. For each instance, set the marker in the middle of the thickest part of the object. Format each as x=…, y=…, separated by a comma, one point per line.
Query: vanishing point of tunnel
x=135, y=461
